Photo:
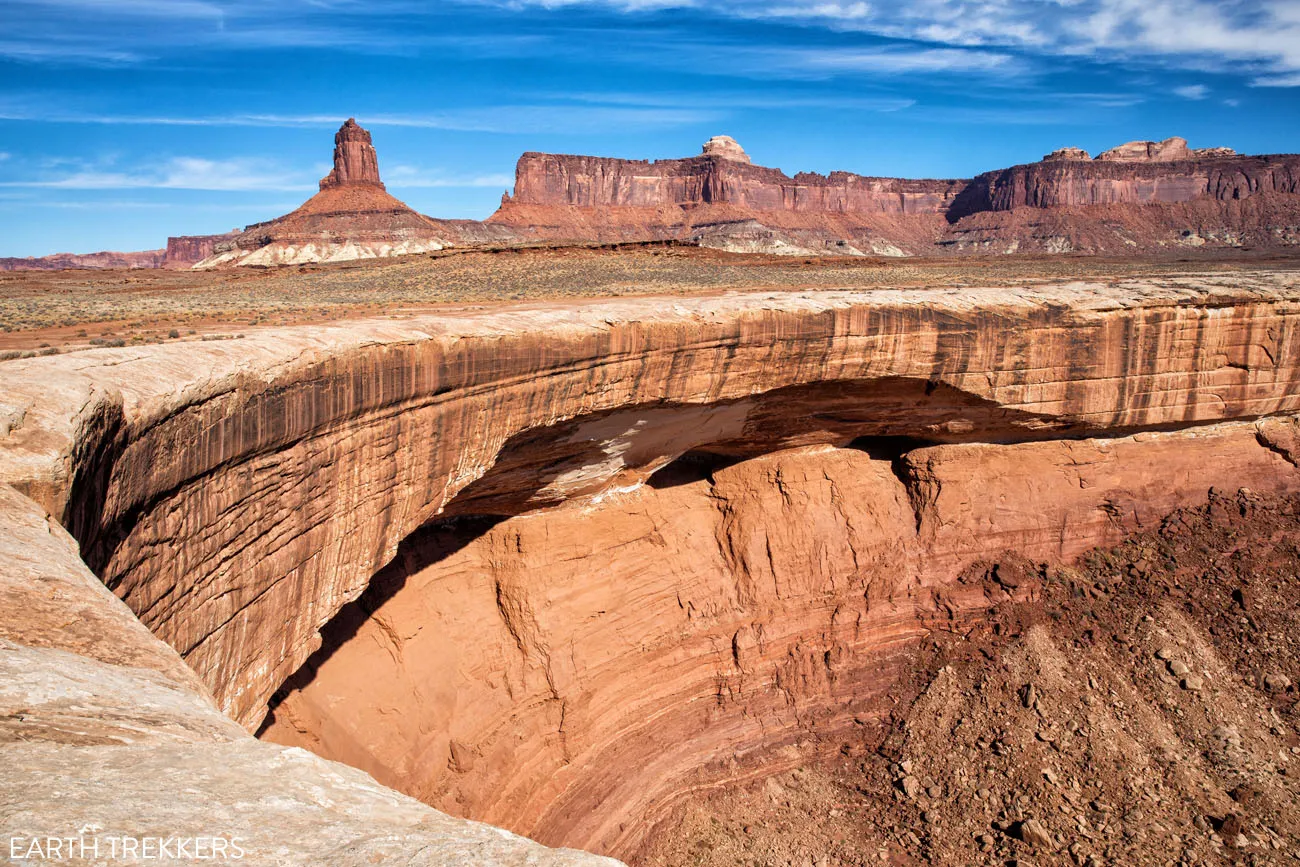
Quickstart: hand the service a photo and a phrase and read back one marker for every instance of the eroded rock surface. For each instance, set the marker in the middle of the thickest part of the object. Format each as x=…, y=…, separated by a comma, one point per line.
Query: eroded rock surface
x=571, y=674
x=105, y=733
x=599, y=544
x=236, y=494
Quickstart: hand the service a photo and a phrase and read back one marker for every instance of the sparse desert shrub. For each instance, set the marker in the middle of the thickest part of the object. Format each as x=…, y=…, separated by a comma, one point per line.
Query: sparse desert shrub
x=173, y=334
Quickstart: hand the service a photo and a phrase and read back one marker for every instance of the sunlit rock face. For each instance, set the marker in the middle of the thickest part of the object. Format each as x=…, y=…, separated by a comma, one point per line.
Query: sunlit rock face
x=727, y=148
x=570, y=674
x=607, y=551
x=1065, y=203
x=352, y=217
x=355, y=160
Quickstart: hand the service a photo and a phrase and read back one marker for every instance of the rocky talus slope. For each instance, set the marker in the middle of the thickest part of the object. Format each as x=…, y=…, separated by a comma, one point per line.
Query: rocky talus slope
x=1138, y=707
x=573, y=562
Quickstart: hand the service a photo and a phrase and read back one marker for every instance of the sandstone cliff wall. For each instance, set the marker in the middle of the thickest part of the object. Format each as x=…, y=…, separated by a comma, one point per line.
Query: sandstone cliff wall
x=186, y=250
x=237, y=494
x=106, y=734
x=60, y=261
x=570, y=674
x=1053, y=183
x=560, y=180
x=734, y=205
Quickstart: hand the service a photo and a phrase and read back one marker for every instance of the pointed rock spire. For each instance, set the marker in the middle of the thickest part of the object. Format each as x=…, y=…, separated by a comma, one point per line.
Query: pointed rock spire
x=355, y=161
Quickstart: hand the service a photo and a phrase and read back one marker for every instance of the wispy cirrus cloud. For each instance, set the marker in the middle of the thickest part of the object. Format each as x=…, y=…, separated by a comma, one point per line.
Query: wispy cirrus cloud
x=517, y=118
x=1265, y=33
x=1192, y=91
x=176, y=173
x=225, y=175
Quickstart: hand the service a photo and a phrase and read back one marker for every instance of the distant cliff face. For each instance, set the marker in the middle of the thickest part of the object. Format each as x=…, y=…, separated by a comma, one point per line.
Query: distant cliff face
x=1108, y=180
x=722, y=175
x=721, y=199
x=184, y=251
x=62, y=261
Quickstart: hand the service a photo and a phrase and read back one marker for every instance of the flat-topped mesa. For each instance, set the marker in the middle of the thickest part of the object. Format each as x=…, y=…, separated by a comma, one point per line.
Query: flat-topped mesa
x=1149, y=173
x=355, y=160
x=727, y=148
x=709, y=198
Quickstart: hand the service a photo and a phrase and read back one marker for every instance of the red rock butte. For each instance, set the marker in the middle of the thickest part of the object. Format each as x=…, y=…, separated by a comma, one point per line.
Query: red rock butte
x=352, y=217
x=1139, y=199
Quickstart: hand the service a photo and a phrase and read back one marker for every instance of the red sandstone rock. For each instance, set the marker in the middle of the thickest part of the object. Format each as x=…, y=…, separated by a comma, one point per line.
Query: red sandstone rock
x=352, y=217
x=61, y=261
x=281, y=471
x=355, y=161
x=753, y=604
x=183, y=251
x=746, y=208
x=1148, y=151
x=693, y=565
x=1068, y=154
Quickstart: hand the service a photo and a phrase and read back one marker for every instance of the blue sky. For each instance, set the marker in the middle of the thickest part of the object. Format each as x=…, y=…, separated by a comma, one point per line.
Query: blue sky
x=124, y=121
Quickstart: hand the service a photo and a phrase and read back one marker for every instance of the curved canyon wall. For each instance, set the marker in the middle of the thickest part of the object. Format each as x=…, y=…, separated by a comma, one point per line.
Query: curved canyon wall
x=790, y=488
x=237, y=508
x=571, y=674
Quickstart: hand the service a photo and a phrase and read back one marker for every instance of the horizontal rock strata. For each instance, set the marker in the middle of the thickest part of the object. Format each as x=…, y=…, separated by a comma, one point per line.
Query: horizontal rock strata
x=716, y=200
x=105, y=733
x=569, y=674
x=607, y=549
x=236, y=494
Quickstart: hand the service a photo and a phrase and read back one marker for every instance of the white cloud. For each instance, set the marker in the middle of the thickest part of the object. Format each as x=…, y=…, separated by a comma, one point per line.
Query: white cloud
x=1292, y=80
x=1232, y=103
x=4, y=155
x=178, y=173
x=1261, y=32
x=1192, y=91
x=896, y=61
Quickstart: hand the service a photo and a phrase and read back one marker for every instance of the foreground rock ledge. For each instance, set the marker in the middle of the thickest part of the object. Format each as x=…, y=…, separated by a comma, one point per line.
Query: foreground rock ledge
x=237, y=494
